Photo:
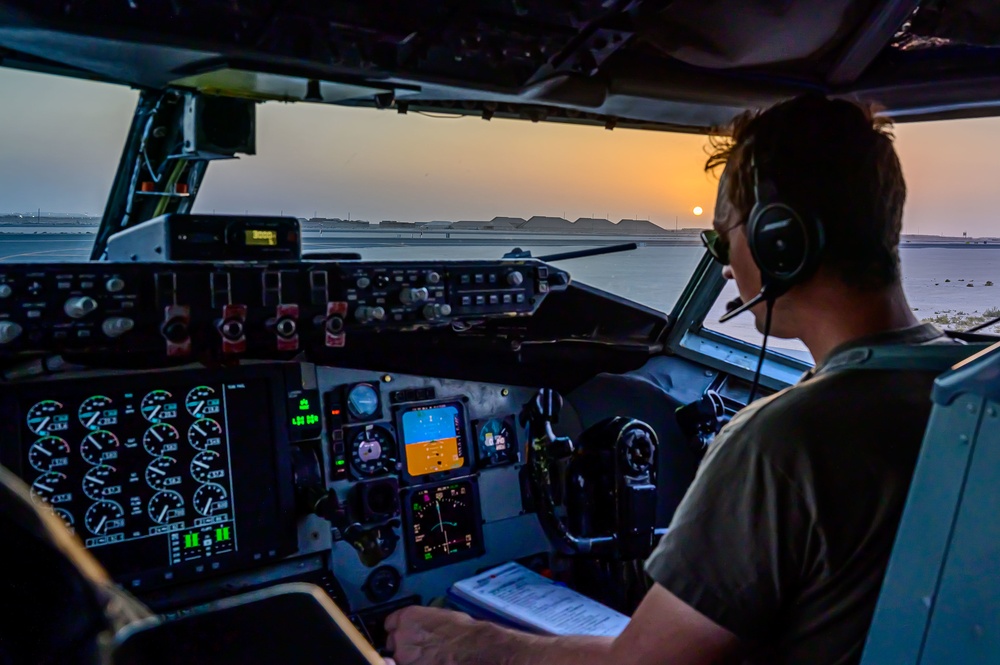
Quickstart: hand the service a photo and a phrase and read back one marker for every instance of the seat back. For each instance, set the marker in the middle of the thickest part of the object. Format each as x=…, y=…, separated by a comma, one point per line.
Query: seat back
x=940, y=601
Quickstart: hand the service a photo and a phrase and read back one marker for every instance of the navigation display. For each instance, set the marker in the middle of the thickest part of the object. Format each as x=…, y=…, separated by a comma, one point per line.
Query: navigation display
x=444, y=524
x=164, y=478
x=433, y=438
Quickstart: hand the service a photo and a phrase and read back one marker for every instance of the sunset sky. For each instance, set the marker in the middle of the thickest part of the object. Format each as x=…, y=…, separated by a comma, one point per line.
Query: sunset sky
x=61, y=139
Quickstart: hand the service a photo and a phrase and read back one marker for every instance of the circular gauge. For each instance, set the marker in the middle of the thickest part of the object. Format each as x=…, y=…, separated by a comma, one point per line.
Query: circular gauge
x=158, y=405
x=65, y=516
x=96, y=412
x=49, y=485
x=373, y=451
x=210, y=499
x=100, y=482
x=160, y=439
x=201, y=401
x=362, y=401
x=166, y=507
x=104, y=517
x=497, y=444
x=205, y=434
x=99, y=446
x=161, y=473
x=48, y=453
x=207, y=466
x=48, y=416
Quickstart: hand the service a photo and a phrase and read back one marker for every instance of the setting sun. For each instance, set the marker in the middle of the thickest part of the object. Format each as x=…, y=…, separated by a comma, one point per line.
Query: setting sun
x=697, y=210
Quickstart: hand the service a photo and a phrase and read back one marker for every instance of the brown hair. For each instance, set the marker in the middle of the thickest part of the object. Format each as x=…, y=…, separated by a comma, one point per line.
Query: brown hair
x=829, y=158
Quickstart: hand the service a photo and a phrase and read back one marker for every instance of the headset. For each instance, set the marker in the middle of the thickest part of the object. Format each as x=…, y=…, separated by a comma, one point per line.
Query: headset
x=786, y=245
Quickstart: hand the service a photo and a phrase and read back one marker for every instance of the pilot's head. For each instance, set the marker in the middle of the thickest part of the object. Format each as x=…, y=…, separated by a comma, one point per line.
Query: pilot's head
x=831, y=161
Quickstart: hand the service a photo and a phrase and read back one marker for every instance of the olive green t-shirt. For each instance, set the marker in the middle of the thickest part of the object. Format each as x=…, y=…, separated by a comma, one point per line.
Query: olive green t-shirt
x=784, y=536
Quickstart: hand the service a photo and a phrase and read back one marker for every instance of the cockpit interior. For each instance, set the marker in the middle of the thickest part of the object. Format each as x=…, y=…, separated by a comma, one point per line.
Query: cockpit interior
x=206, y=411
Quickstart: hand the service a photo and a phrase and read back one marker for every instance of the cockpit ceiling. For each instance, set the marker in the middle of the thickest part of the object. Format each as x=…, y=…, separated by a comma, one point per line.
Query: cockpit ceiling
x=681, y=64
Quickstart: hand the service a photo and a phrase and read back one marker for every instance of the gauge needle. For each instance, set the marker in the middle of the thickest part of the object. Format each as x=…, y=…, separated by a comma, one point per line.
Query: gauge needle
x=94, y=441
x=198, y=429
x=197, y=408
x=43, y=450
x=208, y=505
x=155, y=411
x=97, y=480
x=201, y=464
x=44, y=487
x=93, y=418
x=441, y=524
x=156, y=434
x=101, y=524
x=162, y=513
x=157, y=470
x=45, y=421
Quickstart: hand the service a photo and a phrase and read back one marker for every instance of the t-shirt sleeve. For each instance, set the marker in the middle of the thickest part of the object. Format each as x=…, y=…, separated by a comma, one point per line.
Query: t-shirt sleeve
x=732, y=550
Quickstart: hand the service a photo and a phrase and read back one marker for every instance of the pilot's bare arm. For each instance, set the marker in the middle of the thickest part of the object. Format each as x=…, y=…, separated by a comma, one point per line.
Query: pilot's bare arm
x=663, y=631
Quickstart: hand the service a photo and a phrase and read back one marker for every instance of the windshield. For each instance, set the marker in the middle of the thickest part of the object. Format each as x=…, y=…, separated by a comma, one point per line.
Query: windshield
x=422, y=186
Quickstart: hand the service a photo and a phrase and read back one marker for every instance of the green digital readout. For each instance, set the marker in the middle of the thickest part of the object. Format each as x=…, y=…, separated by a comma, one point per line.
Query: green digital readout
x=304, y=415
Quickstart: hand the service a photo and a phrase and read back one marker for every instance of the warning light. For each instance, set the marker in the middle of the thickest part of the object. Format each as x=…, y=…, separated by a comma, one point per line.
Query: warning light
x=334, y=412
x=340, y=462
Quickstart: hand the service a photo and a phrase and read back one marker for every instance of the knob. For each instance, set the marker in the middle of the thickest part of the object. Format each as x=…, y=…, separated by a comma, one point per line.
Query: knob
x=6, y=291
x=433, y=278
x=114, y=285
x=117, y=326
x=335, y=324
x=363, y=282
x=432, y=311
x=9, y=331
x=231, y=329
x=34, y=288
x=365, y=314
x=285, y=327
x=409, y=295
x=515, y=278
x=176, y=331
x=78, y=307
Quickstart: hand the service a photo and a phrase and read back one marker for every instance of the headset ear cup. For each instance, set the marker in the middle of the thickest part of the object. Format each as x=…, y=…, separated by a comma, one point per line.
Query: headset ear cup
x=786, y=246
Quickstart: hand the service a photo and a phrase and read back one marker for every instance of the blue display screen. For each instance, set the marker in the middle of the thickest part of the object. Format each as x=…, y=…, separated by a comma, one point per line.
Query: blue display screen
x=432, y=439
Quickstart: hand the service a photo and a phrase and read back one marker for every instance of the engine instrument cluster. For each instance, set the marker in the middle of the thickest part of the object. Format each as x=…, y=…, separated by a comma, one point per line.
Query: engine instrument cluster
x=145, y=473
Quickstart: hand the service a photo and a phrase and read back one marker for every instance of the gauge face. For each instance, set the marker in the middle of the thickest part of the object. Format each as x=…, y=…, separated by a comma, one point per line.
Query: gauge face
x=158, y=405
x=52, y=487
x=207, y=466
x=48, y=416
x=362, y=401
x=211, y=499
x=205, y=434
x=97, y=412
x=202, y=401
x=48, y=453
x=99, y=447
x=160, y=439
x=66, y=517
x=104, y=517
x=444, y=525
x=162, y=472
x=497, y=444
x=165, y=507
x=101, y=482
x=373, y=451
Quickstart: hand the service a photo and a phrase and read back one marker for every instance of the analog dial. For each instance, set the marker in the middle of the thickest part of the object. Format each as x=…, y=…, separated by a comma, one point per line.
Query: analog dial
x=162, y=472
x=99, y=447
x=202, y=401
x=205, y=434
x=104, y=517
x=48, y=453
x=158, y=405
x=207, y=466
x=160, y=439
x=211, y=499
x=166, y=506
x=101, y=482
x=362, y=401
x=49, y=486
x=48, y=416
x=66, y=517
x=97, y=412
x=373, y=451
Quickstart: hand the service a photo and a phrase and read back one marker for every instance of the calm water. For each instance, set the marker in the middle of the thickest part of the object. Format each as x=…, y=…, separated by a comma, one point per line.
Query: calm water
x=653, y=276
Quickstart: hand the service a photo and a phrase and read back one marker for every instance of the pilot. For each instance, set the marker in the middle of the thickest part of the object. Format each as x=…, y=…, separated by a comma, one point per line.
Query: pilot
x=779, y=548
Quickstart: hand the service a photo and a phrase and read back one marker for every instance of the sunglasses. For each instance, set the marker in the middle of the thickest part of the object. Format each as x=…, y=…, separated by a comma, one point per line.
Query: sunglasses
x=716, y=245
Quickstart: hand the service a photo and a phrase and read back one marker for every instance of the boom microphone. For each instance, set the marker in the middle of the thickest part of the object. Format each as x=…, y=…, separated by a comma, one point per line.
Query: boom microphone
x=736, y=306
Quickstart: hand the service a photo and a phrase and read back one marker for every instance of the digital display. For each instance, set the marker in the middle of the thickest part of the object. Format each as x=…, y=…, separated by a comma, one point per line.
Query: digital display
x=161, y=479
x=261, y=237
x=444, y=524
x=304, y=415
x=433, y=438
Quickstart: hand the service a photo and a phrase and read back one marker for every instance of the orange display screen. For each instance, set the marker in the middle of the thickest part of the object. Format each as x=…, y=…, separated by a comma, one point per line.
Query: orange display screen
x=432, y=439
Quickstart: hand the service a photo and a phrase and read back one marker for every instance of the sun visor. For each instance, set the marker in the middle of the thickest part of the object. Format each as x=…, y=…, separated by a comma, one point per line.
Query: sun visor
x=721, y=34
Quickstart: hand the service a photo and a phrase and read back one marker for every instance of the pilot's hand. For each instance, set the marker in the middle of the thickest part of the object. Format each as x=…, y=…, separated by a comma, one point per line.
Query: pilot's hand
x=430, y=636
